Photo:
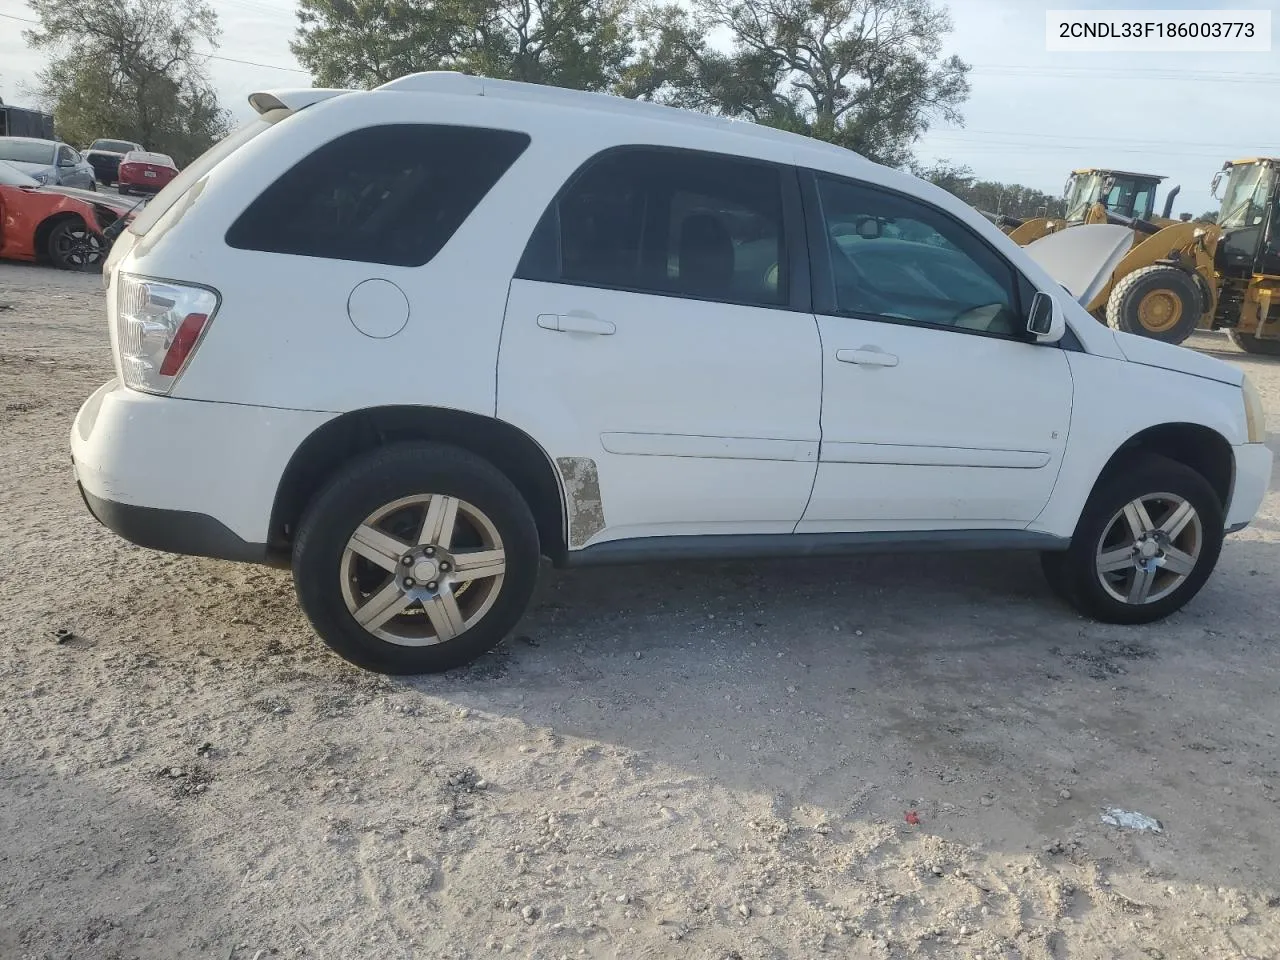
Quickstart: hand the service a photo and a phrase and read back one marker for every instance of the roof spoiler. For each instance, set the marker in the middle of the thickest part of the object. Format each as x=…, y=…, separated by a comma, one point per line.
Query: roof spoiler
x=264, y=101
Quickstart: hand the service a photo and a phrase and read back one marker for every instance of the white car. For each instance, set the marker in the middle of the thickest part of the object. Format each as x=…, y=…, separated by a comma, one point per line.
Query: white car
x=410, y=339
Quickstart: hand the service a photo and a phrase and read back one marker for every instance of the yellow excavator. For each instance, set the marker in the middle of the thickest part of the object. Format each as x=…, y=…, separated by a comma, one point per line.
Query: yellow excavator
x=1091, y=195
x=1178, y=276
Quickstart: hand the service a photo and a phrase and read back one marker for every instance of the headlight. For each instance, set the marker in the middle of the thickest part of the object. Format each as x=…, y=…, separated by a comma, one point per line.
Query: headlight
x=1255, y=416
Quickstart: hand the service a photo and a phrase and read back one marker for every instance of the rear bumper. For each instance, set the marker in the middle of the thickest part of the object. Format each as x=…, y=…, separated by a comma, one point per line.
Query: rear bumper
x=143, y=185
x=185, y=476
x=1252, y=480
x=105, y=168
x=177, y=531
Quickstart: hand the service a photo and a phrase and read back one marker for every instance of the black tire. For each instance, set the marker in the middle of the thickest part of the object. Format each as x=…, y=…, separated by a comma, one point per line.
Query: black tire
x=1251, y=344
x=72, y=246
x=123, y=190
x=1073, y=574
x=361, y=489
x=1171, y=318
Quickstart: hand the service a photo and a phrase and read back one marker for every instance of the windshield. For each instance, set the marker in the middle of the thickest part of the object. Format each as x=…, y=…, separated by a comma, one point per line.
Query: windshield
x=1245, y=202
x=113, y=146
x=22, y=150
x=1082, y=193
x=11, y=176
x=1130, y=197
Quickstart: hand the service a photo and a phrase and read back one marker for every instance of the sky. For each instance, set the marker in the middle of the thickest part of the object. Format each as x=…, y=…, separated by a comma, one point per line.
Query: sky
x=1031, y=117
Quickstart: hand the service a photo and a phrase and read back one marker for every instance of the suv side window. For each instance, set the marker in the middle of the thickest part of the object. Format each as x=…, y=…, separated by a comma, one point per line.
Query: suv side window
x=673, y=222
x=390, y=194
x=898, y=259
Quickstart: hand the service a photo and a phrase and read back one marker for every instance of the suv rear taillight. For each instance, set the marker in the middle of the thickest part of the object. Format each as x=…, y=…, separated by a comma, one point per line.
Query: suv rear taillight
x=159, y=325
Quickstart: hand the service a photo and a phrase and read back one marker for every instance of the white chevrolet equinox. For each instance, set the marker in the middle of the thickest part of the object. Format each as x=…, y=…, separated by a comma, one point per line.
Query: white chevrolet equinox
x=410, y=340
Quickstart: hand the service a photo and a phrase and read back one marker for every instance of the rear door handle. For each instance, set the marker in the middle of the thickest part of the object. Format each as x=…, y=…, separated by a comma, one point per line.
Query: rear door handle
x=867, y=357
x=572, y=323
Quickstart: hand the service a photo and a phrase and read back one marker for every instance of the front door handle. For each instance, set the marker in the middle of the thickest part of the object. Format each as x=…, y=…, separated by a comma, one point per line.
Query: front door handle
x=573, y=323
x=867, y=357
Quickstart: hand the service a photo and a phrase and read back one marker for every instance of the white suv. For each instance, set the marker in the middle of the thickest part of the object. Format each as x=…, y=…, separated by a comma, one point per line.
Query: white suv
x=409, y=340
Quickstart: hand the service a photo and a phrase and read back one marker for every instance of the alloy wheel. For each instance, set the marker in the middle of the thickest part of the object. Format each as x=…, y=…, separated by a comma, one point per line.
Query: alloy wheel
x=77, y=248
x=1149, y=548
x=422, y=570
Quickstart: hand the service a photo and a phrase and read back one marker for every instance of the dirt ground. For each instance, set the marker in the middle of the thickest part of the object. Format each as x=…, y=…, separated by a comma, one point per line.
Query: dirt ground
x=708, y=761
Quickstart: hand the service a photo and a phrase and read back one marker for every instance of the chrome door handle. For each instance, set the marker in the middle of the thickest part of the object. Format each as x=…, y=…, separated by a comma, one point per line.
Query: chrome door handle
x=572, y=323
x=867, y=357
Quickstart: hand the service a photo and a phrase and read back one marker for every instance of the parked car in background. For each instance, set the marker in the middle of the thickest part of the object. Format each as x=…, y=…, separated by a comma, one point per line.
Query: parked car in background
x=105, y=155
x=48, y=162
x=59, y=225
x=143, y=172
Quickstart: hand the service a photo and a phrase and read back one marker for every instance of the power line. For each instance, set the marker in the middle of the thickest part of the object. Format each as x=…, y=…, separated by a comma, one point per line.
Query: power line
x=964, y=132
x=1087, y=74
x=206, y=56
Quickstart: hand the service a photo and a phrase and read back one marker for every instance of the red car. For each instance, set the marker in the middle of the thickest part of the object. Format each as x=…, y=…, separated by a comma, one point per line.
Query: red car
x=144, y=172
x=69, y=228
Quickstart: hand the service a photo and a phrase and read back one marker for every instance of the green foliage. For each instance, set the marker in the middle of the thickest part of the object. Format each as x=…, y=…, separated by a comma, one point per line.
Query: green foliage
x=865, y=74
x=582, y=44
x=129, y=70
x=989, y=196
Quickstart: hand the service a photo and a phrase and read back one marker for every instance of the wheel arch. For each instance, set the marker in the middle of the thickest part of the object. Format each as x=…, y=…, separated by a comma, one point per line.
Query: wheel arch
x=46, y=226
x=352, y=434
x=1194, y=445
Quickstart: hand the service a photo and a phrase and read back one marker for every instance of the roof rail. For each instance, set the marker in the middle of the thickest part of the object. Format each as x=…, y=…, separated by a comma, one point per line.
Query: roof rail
x=444, y=81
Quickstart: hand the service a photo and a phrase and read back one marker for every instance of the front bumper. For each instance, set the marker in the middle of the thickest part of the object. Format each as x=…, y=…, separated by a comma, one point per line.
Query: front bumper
x=186, y=476
x=1252, y=481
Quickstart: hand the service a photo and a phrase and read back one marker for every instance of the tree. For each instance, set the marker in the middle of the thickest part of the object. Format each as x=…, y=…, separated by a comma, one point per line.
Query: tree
x=582, y=44
x=129, y=70
x=989, y=196
x=865, y=74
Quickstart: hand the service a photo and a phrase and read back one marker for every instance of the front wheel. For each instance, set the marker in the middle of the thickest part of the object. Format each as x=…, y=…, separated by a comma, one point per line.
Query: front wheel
x=417, y=558
x=1147, y=541
x=1249, y=343
x=1157, y=301
x=73, y=246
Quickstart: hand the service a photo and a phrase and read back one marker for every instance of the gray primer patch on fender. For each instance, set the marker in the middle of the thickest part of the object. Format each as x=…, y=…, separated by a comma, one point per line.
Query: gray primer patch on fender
x=582, y=497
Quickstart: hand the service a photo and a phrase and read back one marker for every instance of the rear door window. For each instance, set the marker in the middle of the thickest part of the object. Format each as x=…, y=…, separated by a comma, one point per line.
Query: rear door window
x=390, y=194
x=674, y=222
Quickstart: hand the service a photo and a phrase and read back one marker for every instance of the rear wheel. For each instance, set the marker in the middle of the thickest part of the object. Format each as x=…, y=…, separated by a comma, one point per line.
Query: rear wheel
x=1251, y=344
x=1158, y=301
x=123, y=190
x=73, y=246
x=415, y=559
x=1147, y=541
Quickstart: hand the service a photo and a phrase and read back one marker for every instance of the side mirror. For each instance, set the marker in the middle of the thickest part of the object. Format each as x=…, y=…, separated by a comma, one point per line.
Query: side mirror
x=1045, y=321
x=66, y=162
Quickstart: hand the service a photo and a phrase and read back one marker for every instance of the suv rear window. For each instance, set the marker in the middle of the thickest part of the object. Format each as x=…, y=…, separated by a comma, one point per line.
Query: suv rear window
x=390, y=194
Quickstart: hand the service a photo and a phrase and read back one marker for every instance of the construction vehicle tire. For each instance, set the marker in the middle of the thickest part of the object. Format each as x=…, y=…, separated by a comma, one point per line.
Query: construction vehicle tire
x=1251, y=344
x=1157, y=301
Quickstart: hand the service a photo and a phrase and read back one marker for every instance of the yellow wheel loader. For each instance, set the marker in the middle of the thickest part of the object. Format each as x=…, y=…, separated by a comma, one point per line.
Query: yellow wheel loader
x=1091, y=196
x=1247, y=265
x=1176, y=277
